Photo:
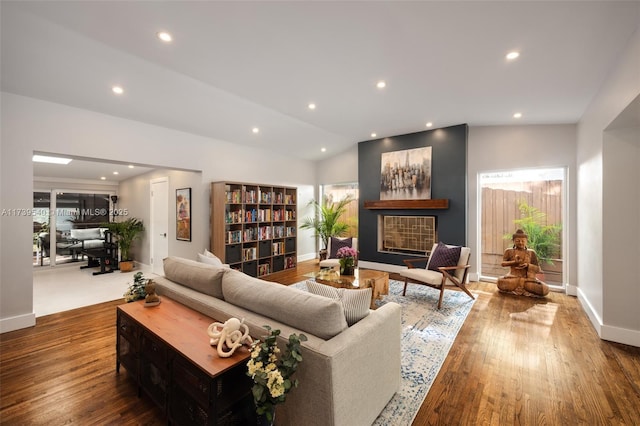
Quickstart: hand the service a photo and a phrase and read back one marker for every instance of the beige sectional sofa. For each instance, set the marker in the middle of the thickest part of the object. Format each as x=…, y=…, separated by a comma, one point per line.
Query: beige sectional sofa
x=348, y=373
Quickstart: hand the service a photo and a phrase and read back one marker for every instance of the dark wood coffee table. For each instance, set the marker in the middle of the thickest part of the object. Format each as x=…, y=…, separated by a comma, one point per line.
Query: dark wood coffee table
x=362, y=278
x=166, y=350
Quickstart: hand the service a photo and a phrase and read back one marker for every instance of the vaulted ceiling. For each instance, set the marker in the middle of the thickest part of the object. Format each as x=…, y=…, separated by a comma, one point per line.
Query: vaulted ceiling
x=233, y=66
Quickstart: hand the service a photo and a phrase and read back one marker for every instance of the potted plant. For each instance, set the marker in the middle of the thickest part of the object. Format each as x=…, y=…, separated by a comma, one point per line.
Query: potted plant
x=326, y=222
x=542, y=238
x=271, y=374
x=126, y=232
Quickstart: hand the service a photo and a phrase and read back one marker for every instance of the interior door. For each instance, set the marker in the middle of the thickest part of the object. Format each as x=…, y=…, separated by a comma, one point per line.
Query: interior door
x=159, y=223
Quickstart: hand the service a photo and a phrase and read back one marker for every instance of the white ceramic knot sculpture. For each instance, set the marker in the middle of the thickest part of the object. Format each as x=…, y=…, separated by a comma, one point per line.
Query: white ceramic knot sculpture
x=230, y=336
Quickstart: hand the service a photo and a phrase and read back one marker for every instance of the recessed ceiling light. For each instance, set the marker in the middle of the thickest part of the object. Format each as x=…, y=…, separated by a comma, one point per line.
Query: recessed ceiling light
x=131, y=166
x=373, y=135
x=512, y=55
x=255, y=130
x=429, y=124
x=164, y=36
x=117, y=90
x=381, y=84
x=323, y=149
x=312, y=106
x=517, y=115
x=103, y=178
x=52, y=160
x=116, y=173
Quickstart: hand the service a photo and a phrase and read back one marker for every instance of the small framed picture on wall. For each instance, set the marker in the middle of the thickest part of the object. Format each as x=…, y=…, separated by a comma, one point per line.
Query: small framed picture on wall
x=183, y=214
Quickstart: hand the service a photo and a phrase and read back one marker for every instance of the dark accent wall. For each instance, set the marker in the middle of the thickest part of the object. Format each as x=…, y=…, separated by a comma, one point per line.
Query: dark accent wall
x=448, y=180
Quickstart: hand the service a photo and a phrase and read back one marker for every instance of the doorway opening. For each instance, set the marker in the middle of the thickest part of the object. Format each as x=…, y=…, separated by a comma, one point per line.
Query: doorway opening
x=528, y=199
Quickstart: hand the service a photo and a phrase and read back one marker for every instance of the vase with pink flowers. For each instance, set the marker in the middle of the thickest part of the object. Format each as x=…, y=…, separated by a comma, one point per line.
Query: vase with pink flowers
x=347, y=258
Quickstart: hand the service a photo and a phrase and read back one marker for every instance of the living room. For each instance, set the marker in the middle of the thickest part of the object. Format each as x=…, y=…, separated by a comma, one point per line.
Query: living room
x=598, y=146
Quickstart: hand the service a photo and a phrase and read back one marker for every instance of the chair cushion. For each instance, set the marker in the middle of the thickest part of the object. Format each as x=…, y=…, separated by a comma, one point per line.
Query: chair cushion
x=423, y=275
x=444, y=256
x=355, y=302
x=337, y=244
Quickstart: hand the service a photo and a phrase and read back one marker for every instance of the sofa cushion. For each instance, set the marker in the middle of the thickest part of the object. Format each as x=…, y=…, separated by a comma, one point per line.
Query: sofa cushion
x=310, y=313
x=86, y=234
x=356, y=303
x=205, y=278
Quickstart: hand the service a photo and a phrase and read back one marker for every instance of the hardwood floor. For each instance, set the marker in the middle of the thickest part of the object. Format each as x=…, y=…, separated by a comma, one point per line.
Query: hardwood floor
x=515, y=361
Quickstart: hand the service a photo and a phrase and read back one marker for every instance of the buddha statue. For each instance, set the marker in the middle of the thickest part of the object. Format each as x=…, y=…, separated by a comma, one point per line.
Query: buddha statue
x=524, y=265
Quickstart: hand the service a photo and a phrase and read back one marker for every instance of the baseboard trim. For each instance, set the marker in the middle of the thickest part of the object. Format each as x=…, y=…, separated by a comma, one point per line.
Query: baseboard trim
x=572, y=290
x=608, y=332
x=17, y=322
x=621, y=335
x=308, y=256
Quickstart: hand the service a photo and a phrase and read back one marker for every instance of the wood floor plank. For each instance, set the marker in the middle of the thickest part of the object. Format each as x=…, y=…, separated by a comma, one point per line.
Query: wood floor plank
x=515, y=360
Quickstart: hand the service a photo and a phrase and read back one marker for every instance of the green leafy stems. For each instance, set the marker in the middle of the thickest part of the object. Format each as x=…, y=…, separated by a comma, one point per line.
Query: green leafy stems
x=542, y=238
x=136, y=291
x=326, y=222
x=272, y=376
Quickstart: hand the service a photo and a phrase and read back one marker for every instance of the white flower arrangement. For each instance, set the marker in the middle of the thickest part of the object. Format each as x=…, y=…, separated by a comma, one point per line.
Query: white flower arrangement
x=272, y=376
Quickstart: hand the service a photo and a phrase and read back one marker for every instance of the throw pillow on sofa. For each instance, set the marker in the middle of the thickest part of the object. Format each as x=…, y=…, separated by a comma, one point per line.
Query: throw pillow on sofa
x=355, y=302
x=202, y=277
x=210, y=259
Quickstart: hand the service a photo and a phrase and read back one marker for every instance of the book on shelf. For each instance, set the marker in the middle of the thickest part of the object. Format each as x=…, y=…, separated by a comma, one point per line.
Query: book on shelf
x=234, y=237
x=264, y=269
x=264, y=197
x=234, y=196
x=234, y=216
x=250, y=234
x=289, y=262
x=264, y=233
x=264, y=215
x=250, y=196
x=277, y=248
x=248, y=253
x=278, y=231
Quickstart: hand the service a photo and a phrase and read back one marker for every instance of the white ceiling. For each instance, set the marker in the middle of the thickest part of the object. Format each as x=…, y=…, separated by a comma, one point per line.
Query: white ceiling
x=236, y=65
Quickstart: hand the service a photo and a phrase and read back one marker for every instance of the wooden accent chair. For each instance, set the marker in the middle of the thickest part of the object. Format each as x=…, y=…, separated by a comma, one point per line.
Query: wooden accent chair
x=438, y=277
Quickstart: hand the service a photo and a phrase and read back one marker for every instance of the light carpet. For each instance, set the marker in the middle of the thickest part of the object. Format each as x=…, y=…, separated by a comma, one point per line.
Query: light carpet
x=427, y=336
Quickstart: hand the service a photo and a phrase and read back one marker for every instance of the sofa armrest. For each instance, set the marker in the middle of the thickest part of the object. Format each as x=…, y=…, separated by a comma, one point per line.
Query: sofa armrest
x=365, y=366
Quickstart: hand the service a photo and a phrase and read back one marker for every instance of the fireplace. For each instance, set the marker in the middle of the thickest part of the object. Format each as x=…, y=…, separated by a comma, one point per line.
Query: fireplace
x=413, y=235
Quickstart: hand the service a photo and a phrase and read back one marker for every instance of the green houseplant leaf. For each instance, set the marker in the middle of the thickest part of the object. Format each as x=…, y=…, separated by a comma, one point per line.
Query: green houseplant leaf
x=542, y=238
x=326, y=222
x=126, y=232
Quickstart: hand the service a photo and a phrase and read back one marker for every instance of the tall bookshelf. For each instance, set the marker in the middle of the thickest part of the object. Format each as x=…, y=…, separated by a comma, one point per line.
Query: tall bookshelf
x=253, y=226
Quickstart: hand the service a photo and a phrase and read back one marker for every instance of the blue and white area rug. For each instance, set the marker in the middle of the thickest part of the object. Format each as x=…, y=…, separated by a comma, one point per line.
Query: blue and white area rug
x=427, y=336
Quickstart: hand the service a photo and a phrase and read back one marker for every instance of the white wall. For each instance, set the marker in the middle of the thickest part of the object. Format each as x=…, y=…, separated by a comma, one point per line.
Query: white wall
x=340, y=168
x=497, y=148
x=30, y=125
x=599, y=297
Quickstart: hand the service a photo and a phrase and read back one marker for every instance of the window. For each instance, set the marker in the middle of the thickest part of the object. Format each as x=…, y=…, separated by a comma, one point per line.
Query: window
x=532, y=200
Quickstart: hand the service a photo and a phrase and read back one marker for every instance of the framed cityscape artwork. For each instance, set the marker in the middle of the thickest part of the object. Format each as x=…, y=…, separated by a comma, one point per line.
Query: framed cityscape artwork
x=406, y=175
x=183, y=214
